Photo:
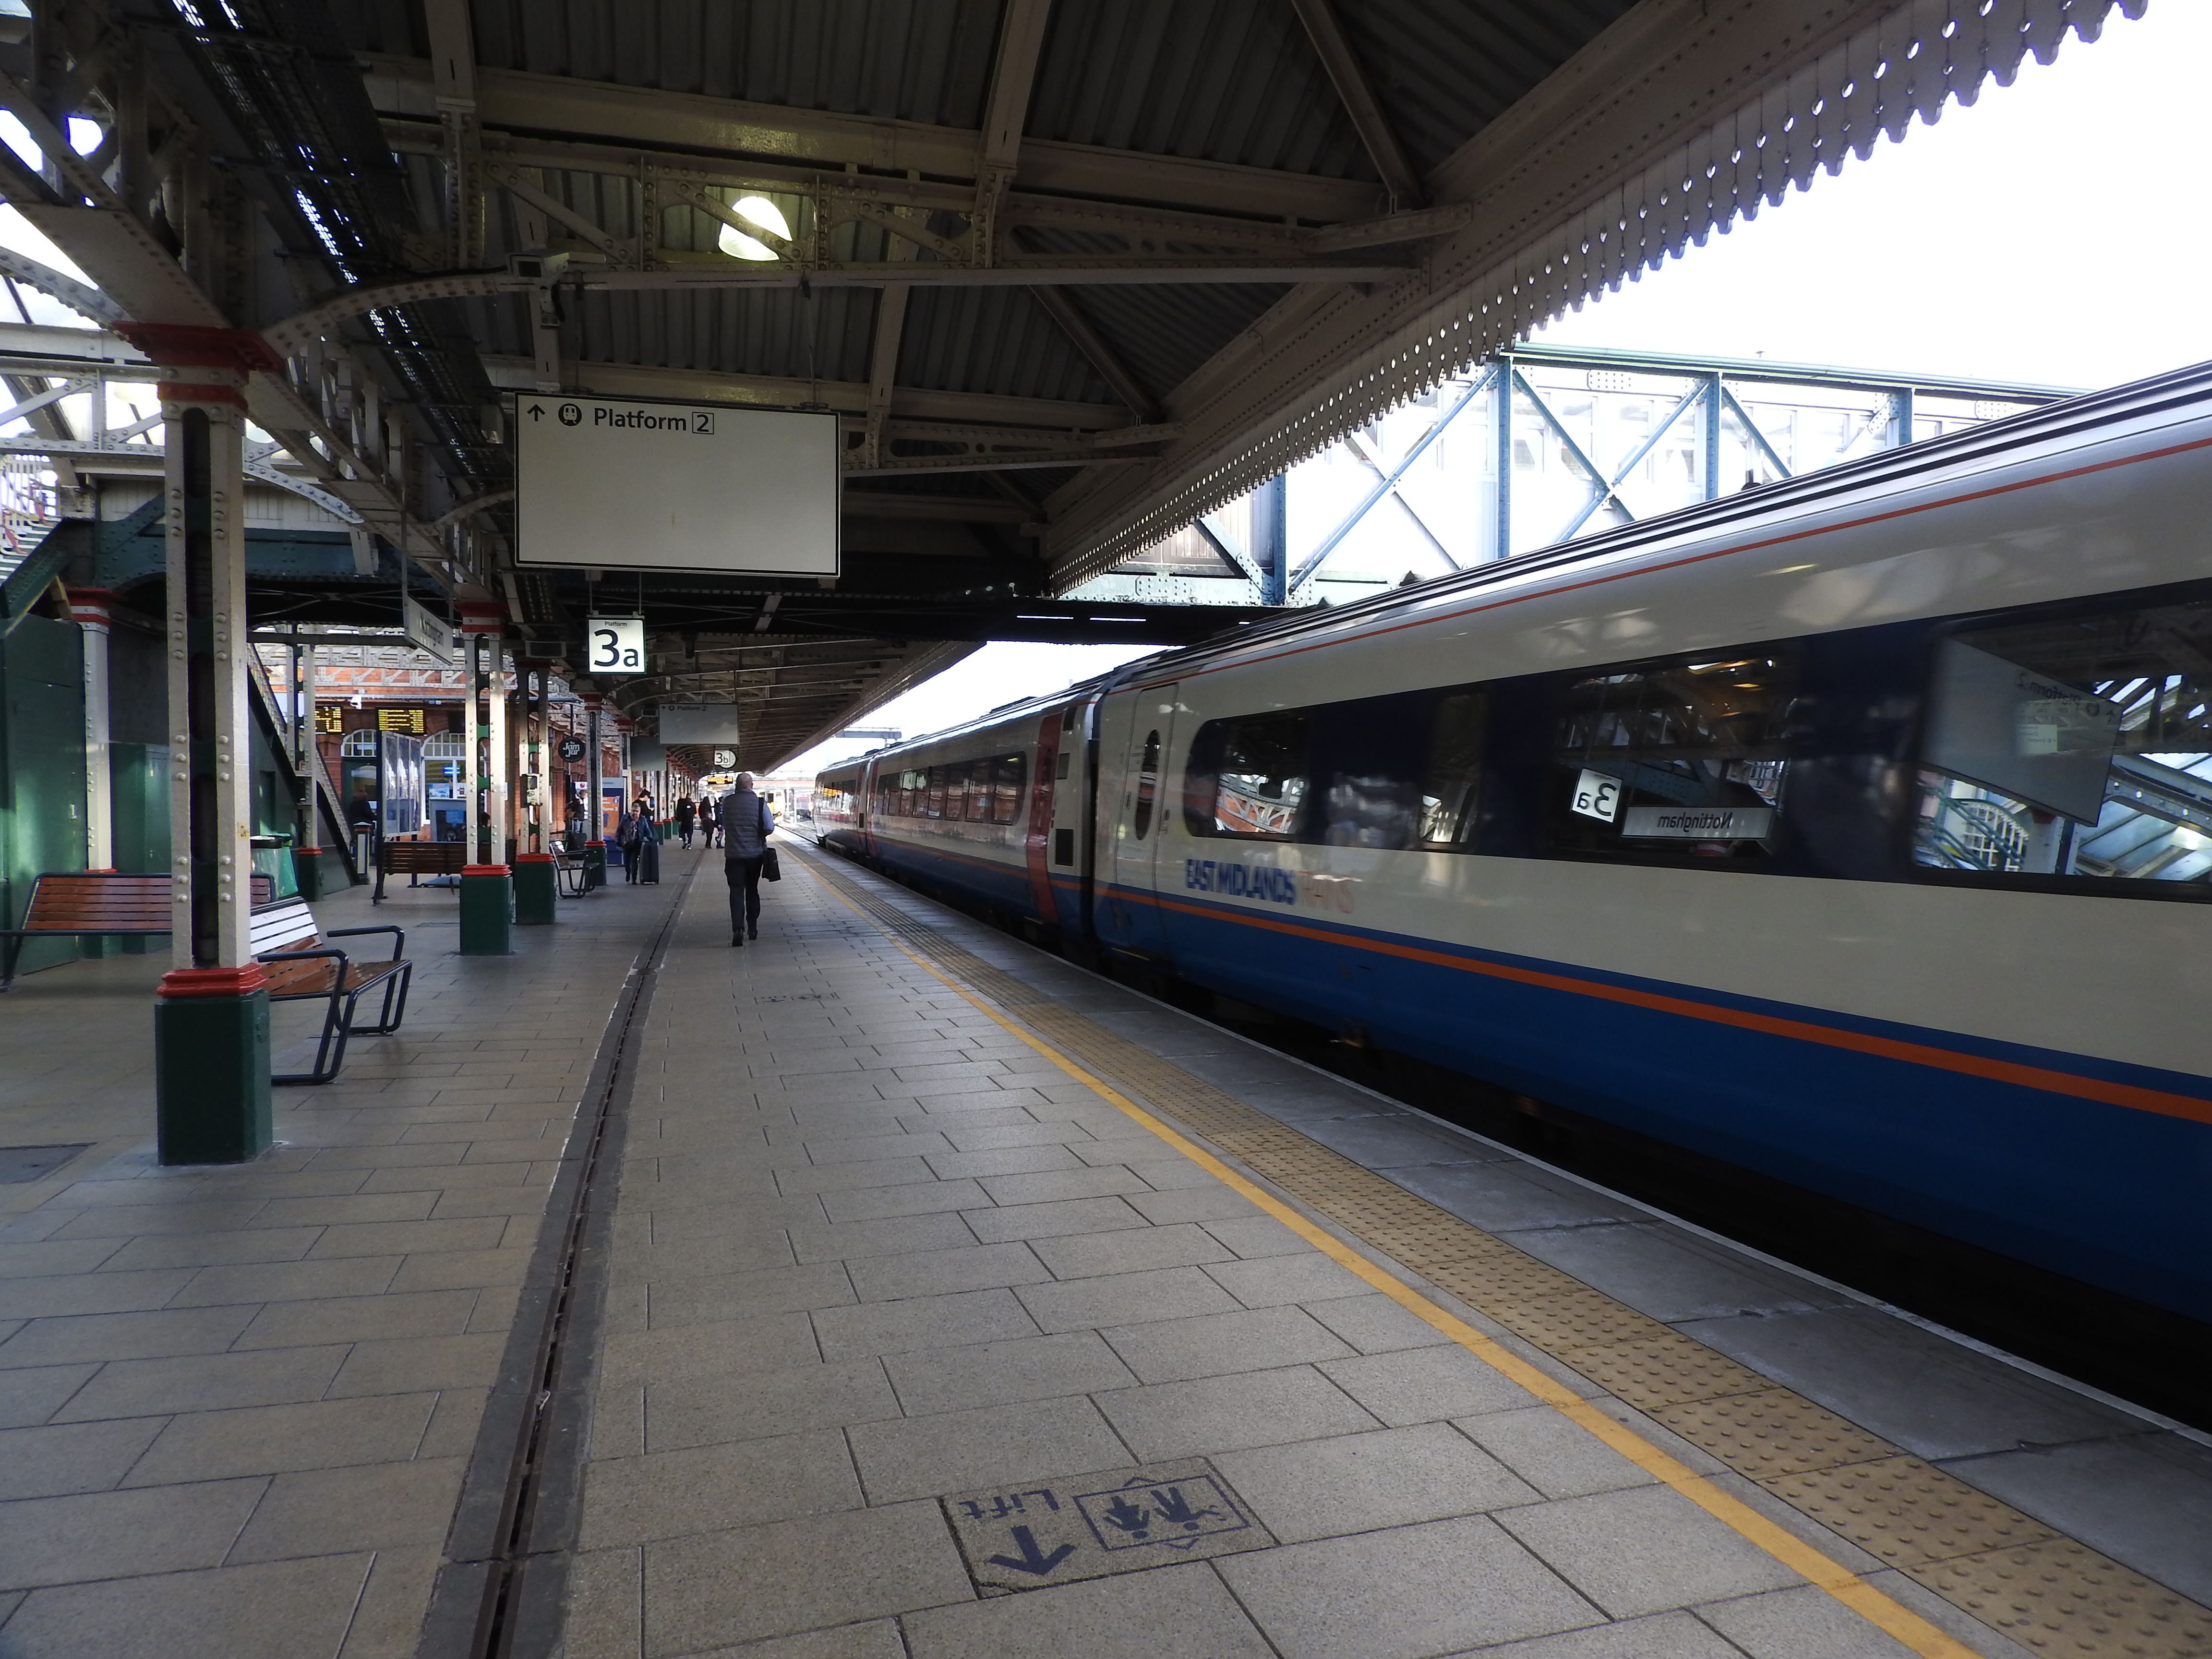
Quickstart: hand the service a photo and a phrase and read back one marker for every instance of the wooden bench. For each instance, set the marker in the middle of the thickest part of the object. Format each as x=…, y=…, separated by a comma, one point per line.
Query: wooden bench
x=416, y=858
x=304, y=966
x=91, y=904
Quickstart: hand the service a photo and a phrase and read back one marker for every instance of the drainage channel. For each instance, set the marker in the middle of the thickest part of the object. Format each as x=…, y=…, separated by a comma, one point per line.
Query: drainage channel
x=501, y=1589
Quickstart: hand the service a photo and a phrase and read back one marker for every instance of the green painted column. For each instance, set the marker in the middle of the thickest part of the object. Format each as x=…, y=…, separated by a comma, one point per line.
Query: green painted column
x=487, y=910
x=537, y=890
x=211, y=1065
x=211, y=1020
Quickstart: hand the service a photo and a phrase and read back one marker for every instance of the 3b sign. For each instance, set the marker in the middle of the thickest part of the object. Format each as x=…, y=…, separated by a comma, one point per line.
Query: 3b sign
x=615, y=645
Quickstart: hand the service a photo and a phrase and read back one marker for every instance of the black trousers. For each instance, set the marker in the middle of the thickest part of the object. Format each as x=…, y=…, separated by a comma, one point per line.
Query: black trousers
x=743, y=877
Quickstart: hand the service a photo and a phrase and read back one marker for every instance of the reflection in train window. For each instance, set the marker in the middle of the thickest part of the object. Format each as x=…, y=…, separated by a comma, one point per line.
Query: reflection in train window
x=982, y=797
x=1148, y=785
x=2073, y=745
x=1011, y=773
x=1683, y=759
x=1247, y=777
x=1453, y=788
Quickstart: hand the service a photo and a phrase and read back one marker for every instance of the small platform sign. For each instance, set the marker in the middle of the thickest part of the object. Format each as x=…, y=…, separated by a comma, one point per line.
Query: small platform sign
x=1054, y=1531
x=614, y=645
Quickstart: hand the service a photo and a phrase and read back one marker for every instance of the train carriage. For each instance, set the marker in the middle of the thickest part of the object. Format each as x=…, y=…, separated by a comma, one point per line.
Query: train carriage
x=1855, y=833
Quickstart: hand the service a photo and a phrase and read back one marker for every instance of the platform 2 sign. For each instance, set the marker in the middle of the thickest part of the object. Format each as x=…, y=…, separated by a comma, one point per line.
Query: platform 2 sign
x=1024, y=1537
x=633, y=483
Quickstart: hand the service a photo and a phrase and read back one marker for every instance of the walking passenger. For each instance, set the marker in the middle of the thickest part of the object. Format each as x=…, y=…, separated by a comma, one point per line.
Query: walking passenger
x=746, y=825
x=687, y=812
x=626, y=841
x=645, y=852
x=710, y=818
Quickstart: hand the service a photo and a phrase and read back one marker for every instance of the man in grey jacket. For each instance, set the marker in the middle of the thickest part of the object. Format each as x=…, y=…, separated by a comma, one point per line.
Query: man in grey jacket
x=746, y=825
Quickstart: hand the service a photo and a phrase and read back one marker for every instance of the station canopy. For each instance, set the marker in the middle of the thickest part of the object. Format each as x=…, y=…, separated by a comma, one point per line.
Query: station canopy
x=1066, y=273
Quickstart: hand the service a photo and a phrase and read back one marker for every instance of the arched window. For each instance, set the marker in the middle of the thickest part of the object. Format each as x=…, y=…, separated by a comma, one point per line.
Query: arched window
x=359, y=745
x=444, y=746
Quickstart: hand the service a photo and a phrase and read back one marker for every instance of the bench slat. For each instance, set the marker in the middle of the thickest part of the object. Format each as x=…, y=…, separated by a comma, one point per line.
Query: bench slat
x=110, y=902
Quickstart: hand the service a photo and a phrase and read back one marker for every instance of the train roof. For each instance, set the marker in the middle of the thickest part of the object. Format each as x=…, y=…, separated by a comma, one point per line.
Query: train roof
x=2170, y=393
x=2159, y=394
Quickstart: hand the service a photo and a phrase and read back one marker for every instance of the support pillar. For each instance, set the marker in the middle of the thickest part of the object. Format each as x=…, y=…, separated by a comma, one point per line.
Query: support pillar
x=471, y=746
x=594, y=829
x=90, y=606
x=211, y=1022
x=308, y=856
x=484, y=723
x=1501, y=432
x=1271, y=539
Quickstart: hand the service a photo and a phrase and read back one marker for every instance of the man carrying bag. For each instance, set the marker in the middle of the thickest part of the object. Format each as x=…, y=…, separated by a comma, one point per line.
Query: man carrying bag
x=747, y=856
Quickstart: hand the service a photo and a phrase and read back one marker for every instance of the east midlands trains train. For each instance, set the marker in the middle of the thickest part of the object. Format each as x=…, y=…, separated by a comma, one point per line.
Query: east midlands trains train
x=1855, y=832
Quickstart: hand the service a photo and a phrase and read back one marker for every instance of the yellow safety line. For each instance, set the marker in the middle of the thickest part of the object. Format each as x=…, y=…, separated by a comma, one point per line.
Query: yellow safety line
x=1800, y=1558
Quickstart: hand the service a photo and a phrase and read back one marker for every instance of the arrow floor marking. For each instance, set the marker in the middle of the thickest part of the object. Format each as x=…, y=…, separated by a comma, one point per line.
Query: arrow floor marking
x=1032, y=1559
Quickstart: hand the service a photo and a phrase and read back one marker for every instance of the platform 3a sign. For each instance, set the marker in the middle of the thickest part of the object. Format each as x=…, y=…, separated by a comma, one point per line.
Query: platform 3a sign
x=615, y=645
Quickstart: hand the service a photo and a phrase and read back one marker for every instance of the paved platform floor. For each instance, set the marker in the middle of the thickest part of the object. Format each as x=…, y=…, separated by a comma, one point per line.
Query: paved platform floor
x=884, y=1276
x=235, y=1404
x=884, y=1309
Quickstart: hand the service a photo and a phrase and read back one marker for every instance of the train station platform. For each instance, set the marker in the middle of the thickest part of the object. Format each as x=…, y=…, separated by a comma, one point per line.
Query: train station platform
x=890, y=1287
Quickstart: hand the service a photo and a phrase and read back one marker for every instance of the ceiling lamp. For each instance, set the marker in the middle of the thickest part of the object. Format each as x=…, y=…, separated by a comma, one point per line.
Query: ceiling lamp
x=757, y=210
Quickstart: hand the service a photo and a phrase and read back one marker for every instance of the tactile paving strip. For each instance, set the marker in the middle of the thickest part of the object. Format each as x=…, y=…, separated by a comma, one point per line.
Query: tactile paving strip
x=2061, y=1597
x=2051, y=1594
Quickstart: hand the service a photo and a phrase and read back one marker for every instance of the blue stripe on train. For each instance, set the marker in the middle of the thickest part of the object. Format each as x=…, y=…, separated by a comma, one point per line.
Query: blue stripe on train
x=2103, y=1193
x=1005, y=886
x=2100, y=1193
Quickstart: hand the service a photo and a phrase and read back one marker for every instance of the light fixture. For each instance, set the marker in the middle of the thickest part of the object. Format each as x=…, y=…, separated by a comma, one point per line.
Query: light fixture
x=759, y=211
x=738, y=246
x=754, y=210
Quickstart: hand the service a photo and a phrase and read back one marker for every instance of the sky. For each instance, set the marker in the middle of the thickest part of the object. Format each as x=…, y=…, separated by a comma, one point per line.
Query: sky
x=2048, y=234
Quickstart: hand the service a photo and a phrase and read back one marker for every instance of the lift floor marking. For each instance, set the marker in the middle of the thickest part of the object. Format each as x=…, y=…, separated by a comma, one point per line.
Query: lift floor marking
x=2002, y=1566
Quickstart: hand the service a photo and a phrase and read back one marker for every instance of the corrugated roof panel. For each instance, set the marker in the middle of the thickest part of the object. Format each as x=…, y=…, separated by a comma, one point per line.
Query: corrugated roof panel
x=992, y=339
x=1217, y=80
x=1443, y=70
x=382, y=25
x=913, y=60
x=1164, y=334
x=762, y=331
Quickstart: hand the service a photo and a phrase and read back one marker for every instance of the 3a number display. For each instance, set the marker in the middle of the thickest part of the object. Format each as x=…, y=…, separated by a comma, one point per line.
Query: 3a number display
x=615, y=645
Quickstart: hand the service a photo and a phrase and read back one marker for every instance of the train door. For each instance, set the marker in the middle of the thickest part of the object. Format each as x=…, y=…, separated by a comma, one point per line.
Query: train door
x=1139, y=824
x=1037, y=835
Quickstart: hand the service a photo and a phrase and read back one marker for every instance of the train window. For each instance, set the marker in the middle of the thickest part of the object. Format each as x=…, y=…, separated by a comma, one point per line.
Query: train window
x=2072, y=746
x=1011, y=772
x=1683, y=759
x=1148, y=785
x=942, y=787
x=982, y=797
x=1247, y=777
x=913, y=793
x=1452, y=788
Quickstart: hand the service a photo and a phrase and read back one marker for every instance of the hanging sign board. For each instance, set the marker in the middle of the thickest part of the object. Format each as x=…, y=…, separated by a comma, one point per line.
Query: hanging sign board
x=428, y=633
x=630, y=483
x=699, y=723
x=614, y=645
